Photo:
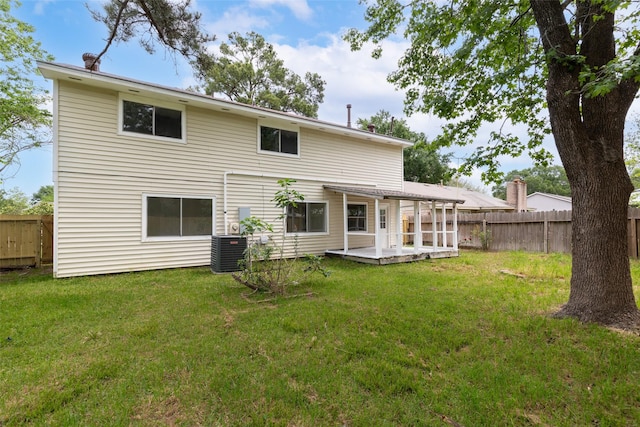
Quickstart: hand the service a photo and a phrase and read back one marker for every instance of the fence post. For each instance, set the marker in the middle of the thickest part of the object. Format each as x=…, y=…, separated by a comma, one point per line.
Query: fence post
x=632, y=232
x=545, y=236
x=39, y=240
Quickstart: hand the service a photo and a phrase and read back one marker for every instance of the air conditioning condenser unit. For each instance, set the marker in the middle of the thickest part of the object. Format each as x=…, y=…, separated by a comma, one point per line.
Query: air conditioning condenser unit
x=226, y=251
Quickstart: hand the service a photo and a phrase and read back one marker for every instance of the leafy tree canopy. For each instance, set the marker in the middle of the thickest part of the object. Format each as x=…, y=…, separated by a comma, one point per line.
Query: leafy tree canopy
x=632, y=151
x=24, y=122
x=483, y=62
x=552, y=180
x=457, y=181
x=168, y=23
x=44, y=194
x=632, y=158
x=13, y=202
x=248, y=70
x=422, y=161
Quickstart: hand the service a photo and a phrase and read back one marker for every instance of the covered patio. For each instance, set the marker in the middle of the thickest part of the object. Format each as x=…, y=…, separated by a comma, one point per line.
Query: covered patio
x=388, y=246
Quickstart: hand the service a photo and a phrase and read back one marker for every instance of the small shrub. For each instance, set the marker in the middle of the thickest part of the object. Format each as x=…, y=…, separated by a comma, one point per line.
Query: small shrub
x=264, y=267
x=483, y=236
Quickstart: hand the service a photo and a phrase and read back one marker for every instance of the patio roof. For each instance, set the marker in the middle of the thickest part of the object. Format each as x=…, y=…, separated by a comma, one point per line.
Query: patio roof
x=377, y=193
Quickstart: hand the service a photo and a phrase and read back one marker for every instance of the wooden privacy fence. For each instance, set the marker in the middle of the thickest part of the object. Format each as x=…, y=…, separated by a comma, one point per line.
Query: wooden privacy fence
x=525, y=231
x=26, y=240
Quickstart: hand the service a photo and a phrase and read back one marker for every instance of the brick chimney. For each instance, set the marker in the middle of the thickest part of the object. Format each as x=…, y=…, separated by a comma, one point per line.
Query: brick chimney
x=90, y=62
x=517, y=194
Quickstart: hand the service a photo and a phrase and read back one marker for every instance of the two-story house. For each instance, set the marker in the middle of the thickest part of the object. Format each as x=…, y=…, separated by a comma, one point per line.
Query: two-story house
x=145, y=174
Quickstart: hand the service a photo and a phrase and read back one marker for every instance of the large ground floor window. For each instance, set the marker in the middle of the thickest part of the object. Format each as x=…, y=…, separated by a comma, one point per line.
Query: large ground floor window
x=307, y=218
x=177, y=216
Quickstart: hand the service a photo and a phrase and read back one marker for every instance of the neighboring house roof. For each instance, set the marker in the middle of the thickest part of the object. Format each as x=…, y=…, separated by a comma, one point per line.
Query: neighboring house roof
x=548, y=202
x=376, y=193
x=473, y=200
x=100, y=79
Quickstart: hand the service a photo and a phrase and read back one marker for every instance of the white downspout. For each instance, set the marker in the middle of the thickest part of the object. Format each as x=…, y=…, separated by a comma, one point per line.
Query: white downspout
x=224, y=202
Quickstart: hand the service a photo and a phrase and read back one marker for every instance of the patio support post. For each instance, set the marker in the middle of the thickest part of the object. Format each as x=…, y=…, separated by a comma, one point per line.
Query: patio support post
x=455, y=226
x=434, y=224
x=444, y=225
x=345, y=219
x=399, y=240
x=377, y=242
x=417, y=225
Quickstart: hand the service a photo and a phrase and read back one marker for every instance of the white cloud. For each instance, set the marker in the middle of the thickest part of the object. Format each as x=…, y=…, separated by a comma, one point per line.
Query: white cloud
x=237, y=19
x=39, y=6
x=299, y=8
x=356, y=78
x=351, y=77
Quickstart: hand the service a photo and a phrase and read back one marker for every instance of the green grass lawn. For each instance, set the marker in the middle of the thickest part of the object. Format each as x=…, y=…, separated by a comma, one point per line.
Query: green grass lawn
x=442, y=342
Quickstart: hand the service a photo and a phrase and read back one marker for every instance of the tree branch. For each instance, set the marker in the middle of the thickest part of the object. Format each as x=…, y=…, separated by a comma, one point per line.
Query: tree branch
x=629, y=88
x=114, y=31
x=154, y=24
x=520, y=16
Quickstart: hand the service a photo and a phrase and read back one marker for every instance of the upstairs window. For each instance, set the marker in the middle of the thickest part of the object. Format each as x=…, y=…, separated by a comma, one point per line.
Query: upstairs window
x=279, y=140
x=152, y=120
x=357, y=217
x=175, y=216
x=307, y=218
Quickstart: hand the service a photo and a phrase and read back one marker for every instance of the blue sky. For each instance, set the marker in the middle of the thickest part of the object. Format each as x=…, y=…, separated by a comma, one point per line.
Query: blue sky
x=307, y=35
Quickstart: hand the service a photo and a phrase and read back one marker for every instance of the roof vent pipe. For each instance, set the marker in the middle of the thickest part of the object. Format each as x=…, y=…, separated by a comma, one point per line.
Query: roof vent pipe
x=371, y=127
x=348, y=115
x=91, y=61
x=393, y=120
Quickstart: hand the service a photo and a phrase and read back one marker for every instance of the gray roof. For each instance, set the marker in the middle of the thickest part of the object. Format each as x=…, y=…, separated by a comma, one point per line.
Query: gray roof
x=377, y=193
x=473, y=200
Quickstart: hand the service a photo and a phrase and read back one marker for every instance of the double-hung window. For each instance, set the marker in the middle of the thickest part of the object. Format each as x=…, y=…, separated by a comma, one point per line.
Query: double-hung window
x=277, y=140
x=307, y=218
x=177, y=216
x=152, y=120
x=357, y=216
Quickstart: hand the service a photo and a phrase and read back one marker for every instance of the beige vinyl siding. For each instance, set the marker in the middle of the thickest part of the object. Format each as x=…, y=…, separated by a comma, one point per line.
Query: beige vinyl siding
x=100, y=226
x=339, y=157
x=256, y=193
x=102, y=176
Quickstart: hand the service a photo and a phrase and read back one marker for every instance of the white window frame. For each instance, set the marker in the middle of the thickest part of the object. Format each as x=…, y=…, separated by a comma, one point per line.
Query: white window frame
x=289, y=127
x=366, y=217
x=310, y=233
x=146, y=238
x=156, y=103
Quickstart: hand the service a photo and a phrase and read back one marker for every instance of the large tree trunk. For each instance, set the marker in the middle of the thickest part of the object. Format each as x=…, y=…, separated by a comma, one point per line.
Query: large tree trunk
x=601, y=288
x=589, y=135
